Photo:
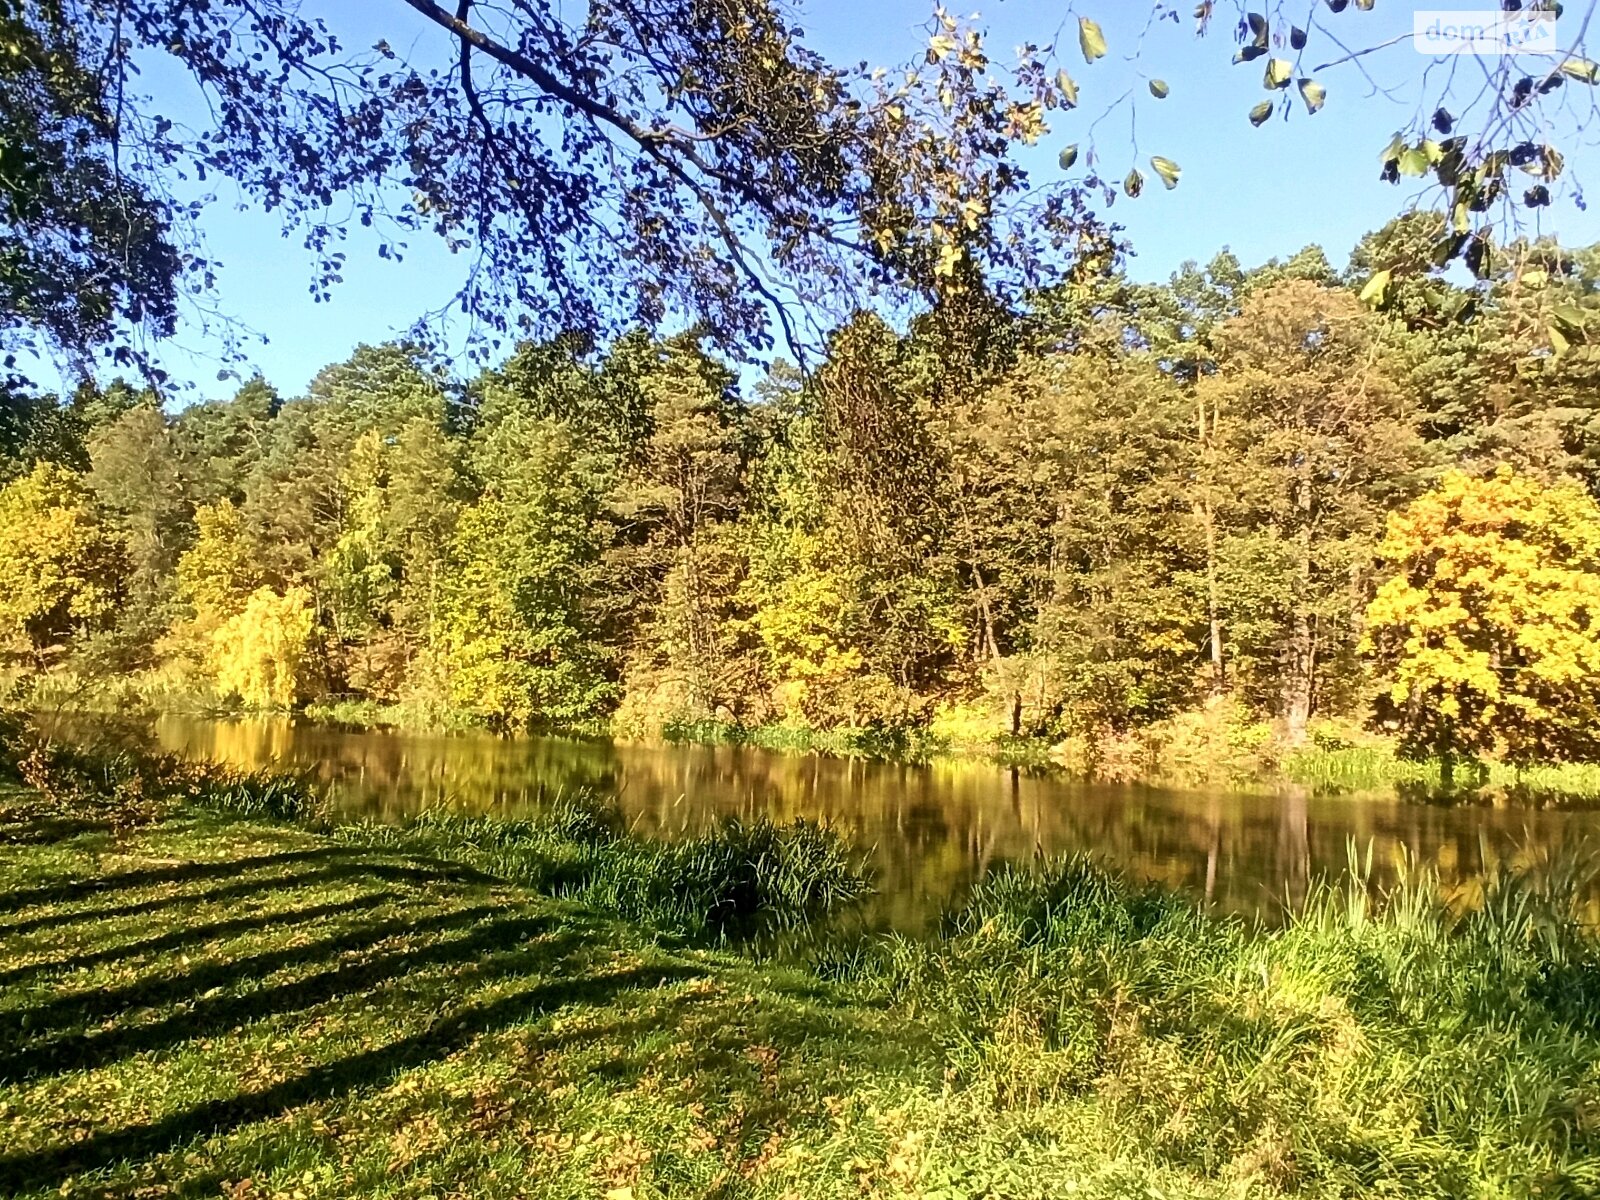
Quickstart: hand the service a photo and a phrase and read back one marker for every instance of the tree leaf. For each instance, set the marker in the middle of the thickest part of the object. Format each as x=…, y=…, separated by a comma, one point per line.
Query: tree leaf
x=1091, y=40
x=1584, y=70
x=1261, y=113
x=1558, y=341
x=1377, y=289
x=1069, y=89
x=1068, y=156
x=1569, y=317
x=1133, y=184
x=1159, y=89
x=1297, y=38
x=1167, y=169
x=1279, y=72
x=1414, y=162
x=1259, y=29
x=1313, y=93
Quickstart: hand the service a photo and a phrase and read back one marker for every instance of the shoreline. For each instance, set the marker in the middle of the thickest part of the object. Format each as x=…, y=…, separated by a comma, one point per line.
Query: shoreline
x=337, y=985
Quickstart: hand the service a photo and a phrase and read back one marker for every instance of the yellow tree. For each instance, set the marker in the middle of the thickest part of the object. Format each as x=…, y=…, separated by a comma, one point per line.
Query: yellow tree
x=217, y=575
x=256, y=653
x=1490, y=621
x=59, y=565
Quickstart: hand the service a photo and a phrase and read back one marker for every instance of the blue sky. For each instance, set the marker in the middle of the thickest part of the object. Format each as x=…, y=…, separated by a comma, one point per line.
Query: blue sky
x=1262, y=192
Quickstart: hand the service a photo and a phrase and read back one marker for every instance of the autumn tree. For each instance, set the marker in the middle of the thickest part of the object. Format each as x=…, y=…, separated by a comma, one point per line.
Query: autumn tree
x=257, y=653
x=60, y=567
x=1488, y=623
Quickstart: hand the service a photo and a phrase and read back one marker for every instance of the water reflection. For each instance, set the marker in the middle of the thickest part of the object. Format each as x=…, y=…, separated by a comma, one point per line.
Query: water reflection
x=930, y=830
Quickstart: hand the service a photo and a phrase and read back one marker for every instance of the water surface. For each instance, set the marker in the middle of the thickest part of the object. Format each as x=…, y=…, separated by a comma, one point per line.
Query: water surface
x=929, y=830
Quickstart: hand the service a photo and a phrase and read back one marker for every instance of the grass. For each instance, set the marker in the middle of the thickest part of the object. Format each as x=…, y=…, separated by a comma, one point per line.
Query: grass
x=213, y=1006
x=1361, y=768
x=195, y=1002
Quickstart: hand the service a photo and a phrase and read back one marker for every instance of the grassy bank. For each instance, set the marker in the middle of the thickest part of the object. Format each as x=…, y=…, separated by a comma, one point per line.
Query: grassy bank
x=1222, y=746
x=208, y=989
x=1363, y=768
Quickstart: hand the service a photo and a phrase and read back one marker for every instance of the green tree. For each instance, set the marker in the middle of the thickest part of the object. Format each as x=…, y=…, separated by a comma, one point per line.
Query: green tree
x=1307, y=438
x=137, y=478
x=519, y=636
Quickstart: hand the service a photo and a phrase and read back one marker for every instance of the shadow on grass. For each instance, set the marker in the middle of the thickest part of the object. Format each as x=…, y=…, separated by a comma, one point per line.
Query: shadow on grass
x=76, y=1009
x=232, y=891
x=47, y=1169
x=50, y=831
x=421, y=870
x=178, y=939
x=67, y=891
x=210, y=1015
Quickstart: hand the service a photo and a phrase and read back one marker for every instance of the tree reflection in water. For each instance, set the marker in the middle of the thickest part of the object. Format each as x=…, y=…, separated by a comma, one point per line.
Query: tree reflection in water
x=930, y=829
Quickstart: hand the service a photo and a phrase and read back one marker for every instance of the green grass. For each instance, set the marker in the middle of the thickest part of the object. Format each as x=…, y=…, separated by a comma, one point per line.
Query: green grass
x=1360, y=768
x=209, y=1006
x=196, y=1002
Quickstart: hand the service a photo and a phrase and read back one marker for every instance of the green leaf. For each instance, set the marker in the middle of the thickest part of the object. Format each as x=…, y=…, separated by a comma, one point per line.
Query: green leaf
x=1159, y=89
x=1133, y=184
x=1313, y=93
x=1569, y=317
x=1377, y=288
x=1279, y=72
x=1558, y=341
x=1584, y=70
x=1414, y=162
x=1167, y=169
x=1069, y=89
x=1261, y=113
x=1091, y=40
x=1393, y=150
x=1068, y=156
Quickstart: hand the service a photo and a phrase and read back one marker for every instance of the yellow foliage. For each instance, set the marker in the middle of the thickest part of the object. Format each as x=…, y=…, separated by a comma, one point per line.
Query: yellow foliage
x=58, y=564
x=256, y=653
x=217, y=575
x=1490, y=623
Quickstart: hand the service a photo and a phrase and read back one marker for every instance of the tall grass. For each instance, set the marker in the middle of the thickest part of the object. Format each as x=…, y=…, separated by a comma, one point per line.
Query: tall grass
x=738, y=880
x=1371, y=1046
x=1358, y=768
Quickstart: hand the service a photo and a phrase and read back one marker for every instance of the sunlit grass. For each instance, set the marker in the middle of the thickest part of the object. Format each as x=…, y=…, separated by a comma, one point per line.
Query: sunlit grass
x=199, y=1002
x=1358, y=768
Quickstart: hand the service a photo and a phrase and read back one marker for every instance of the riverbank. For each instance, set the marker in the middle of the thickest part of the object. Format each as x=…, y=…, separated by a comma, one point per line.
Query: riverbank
x=207, y=985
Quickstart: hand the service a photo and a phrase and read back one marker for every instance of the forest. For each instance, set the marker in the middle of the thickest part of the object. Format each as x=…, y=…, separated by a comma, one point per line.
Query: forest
x=1297, y=500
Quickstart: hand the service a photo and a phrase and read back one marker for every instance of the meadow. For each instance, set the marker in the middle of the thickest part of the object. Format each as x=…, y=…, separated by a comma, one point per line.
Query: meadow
x=210, y=986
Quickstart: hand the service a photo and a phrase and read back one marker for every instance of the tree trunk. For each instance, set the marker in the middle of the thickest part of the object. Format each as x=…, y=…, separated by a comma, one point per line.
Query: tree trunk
x=1207, y=517
x=1300, y=678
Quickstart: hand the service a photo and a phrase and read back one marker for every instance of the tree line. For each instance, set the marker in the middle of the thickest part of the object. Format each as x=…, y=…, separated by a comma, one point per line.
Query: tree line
x=1082, y=515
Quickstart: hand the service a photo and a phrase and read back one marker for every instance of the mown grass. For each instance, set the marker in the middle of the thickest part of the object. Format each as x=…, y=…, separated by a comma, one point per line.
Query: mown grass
x=195, y=1003
x=208, y=1006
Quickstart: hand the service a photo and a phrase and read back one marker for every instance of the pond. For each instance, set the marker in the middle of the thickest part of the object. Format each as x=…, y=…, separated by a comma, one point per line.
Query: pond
x=929, y=830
